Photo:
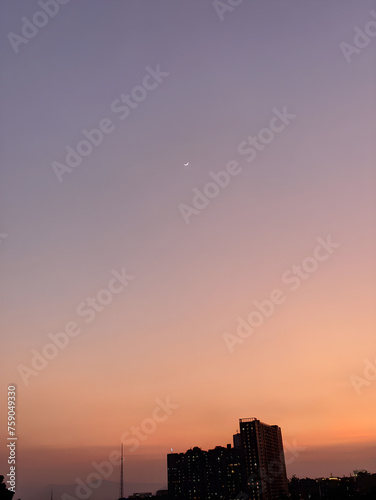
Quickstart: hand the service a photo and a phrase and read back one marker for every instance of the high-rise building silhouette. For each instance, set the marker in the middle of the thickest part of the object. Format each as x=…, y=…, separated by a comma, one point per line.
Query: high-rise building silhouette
x=262, y=447
x=202, y=475
x=254, y=466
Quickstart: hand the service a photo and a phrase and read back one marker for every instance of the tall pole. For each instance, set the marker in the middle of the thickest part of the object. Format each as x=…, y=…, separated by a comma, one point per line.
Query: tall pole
x=121, y=473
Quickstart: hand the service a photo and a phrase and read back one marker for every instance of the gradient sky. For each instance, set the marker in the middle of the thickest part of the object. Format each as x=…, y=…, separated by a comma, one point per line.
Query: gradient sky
x=163, y=335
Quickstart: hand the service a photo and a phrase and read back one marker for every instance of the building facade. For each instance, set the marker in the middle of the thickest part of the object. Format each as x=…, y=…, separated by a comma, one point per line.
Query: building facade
x=254, y=468
x=264, y=459
x=206, y=475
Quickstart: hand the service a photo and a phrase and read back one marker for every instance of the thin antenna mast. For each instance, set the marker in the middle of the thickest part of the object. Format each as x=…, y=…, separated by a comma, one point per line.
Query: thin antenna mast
x=121, y=474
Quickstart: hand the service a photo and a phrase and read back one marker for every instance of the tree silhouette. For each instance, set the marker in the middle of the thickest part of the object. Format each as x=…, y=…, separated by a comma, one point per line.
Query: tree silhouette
x=4, y=493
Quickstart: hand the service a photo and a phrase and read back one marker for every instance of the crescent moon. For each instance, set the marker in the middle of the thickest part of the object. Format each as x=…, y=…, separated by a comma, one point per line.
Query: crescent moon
x=186, y=164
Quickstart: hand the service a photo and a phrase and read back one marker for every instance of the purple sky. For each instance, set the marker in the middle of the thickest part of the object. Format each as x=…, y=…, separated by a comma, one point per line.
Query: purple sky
x=221, y=81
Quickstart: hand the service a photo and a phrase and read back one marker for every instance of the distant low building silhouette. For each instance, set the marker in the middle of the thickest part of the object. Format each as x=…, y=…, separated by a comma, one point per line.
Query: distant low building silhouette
x=142, y=495
x=160, y=494
x=360, y=486
x=254, y=466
